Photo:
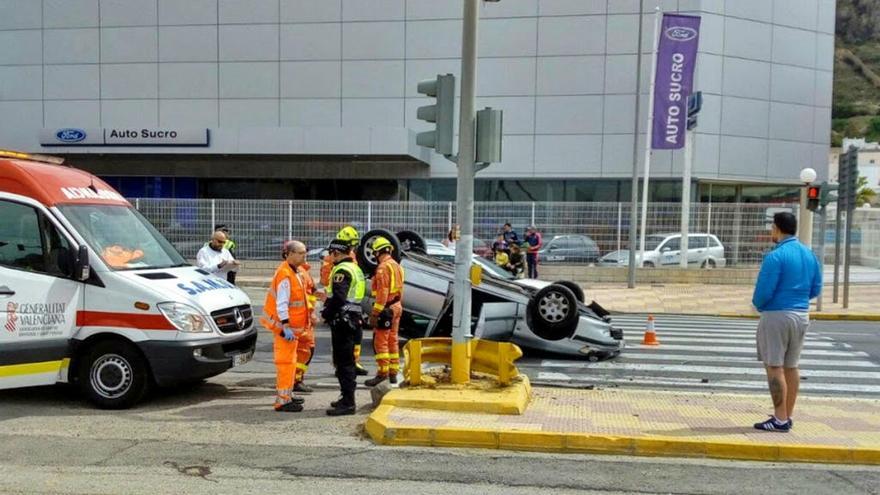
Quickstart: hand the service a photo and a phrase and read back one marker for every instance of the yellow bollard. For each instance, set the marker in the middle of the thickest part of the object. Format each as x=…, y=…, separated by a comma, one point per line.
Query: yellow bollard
x=461, y=362
x=503, y=371
x=414, y=363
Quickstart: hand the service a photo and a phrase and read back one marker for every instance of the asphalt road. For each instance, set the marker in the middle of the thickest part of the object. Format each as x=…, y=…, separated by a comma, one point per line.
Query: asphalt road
x=223, y=437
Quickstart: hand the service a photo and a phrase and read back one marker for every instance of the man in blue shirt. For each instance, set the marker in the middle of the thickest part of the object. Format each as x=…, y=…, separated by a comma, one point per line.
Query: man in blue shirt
x=790, y=276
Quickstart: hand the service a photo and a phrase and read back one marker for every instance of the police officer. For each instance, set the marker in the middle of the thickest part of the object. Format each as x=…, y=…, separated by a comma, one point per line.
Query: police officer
x=350, y=235
x=343, y=312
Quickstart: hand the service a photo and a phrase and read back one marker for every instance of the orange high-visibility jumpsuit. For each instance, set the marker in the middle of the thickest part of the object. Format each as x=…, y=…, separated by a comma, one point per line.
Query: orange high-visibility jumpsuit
x=326, y=268
x=287, y=301
x=387, y=286
x=305, y=348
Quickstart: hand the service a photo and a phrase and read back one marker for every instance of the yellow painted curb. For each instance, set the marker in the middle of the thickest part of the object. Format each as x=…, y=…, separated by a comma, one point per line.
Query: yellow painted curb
x=383, y=430
x=845, y=316
x=508, y=400
x=813, y=316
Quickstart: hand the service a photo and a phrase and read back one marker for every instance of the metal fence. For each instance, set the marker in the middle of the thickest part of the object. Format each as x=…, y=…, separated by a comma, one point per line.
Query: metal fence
x=260, y=226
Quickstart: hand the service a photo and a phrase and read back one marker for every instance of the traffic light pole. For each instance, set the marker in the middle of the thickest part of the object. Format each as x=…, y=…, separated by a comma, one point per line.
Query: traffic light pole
x=823, y=218
x=805, y=230
x=461, y=306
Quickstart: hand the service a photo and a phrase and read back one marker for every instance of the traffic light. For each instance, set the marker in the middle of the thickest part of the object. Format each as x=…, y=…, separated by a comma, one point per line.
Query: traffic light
x=848, y=178
x=814, y=194
x=441, y=113
x=825, y=196
x=694, y=104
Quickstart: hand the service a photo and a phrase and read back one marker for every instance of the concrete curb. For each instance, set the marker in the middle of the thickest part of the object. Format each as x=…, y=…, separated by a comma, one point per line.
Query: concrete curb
x=509, y=400
x=813, y=316
x=385, y=432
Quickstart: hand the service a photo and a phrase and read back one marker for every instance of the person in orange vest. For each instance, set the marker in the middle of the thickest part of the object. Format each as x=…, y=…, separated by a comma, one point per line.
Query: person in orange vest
x=305, y=348
x=387, y=286
x=351, y=236
x=286, y=315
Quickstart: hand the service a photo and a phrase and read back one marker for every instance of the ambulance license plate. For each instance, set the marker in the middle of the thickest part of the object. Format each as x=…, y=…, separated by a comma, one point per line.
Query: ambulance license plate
x=240, y=359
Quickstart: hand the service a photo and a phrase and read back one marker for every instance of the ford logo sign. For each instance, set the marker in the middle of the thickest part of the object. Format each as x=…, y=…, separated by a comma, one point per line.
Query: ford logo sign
x=677, y=33
x=70, y=135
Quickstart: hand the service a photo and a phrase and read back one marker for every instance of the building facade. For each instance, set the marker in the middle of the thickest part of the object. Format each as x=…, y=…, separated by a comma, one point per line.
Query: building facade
x=317, y=98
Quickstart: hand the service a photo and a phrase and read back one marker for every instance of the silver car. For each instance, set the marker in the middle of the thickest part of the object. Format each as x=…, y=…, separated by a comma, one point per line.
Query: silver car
x=534, y=314
x=664, y=250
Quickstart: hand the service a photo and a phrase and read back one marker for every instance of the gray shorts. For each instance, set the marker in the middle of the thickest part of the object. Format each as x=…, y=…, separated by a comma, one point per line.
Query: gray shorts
x=781, y=337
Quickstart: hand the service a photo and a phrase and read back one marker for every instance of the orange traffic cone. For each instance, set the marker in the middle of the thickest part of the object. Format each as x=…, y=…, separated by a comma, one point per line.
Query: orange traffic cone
x=650, y=335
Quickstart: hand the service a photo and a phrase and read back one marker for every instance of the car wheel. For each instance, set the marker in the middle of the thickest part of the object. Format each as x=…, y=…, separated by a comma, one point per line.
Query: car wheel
x=552, y=312
x=708, y=264
x=574, y=288
x=648, y=264
x=113, y=375
x=412, y=241
x=365, y=257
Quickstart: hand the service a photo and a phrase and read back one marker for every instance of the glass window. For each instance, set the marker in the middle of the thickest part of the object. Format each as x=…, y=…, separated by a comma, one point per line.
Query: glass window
x=29, y=241
x=122, y=237
x=697, y=241
x=673, y=244
x=652, y=241
x=713, y=242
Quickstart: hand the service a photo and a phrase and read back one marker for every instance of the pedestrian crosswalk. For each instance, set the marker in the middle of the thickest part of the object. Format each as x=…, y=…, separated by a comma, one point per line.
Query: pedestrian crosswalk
x=701, y=352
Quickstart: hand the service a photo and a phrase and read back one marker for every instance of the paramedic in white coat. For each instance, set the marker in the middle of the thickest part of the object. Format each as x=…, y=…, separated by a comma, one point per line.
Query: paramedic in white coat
x=216, y=259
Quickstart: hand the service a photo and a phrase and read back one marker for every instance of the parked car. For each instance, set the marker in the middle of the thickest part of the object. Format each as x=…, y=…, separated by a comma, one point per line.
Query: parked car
x=572, y=248
x=535, y=314
x=482, y=248
x=704, y=250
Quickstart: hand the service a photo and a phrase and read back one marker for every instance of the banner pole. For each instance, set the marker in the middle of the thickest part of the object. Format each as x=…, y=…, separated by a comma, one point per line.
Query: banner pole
x=648, y=135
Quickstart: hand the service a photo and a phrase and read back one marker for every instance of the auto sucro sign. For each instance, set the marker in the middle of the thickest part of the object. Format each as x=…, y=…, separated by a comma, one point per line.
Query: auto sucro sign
x=134, y=136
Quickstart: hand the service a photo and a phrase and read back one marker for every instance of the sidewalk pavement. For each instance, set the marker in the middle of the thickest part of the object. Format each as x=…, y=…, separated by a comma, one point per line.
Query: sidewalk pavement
x=649, y=423
x=724, y=300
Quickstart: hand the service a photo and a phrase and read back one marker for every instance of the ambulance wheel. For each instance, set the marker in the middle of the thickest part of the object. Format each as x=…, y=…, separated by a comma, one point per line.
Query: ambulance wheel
x=552, y=313
x=574, y=288
x=113, y=375
x=365, y=257
x=412, y=241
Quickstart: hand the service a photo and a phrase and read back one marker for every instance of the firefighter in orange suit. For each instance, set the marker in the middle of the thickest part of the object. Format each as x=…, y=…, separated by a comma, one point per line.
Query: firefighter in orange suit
x=286, y=315
x=350, y=235
x=387, y=288
x=305, y=347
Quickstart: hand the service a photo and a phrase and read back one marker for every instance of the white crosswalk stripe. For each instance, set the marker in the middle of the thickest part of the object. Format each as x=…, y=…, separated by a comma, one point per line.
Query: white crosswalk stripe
x=711, y=353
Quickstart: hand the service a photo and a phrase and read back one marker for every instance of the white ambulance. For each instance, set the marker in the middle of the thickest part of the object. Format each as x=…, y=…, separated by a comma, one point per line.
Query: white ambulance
x=91, y=293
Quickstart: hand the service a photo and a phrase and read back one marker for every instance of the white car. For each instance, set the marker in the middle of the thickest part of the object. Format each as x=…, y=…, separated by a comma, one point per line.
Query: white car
x=664, y=250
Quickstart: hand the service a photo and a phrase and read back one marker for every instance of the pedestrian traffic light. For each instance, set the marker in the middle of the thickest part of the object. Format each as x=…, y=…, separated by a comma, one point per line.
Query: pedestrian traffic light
x=814, y=193
x=825, y=194
x=441, y=113
x=694, y=104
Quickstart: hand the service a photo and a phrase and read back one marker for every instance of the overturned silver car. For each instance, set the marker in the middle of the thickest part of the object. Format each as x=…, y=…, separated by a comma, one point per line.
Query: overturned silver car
x=537, y=315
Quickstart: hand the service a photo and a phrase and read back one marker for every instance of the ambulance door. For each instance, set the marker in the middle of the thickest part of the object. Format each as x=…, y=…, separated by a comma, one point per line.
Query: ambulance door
x=38, y=297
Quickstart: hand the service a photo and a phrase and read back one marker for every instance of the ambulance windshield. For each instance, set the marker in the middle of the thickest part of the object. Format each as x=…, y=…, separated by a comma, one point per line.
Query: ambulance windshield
x=123, y=238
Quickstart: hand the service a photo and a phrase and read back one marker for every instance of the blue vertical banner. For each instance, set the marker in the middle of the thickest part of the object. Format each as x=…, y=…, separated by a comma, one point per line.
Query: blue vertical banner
x=674, y=79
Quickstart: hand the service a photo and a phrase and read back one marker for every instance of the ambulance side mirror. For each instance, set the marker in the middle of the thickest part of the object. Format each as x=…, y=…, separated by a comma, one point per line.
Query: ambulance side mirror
x=81, y=269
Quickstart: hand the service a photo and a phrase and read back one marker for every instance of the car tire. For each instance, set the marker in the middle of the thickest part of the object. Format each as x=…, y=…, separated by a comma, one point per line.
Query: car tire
x=113, y=375
x=365, y=258
x=412, y=241
x=708, y=265
x=648, y=264
x=552, y=312
x=574, y=288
